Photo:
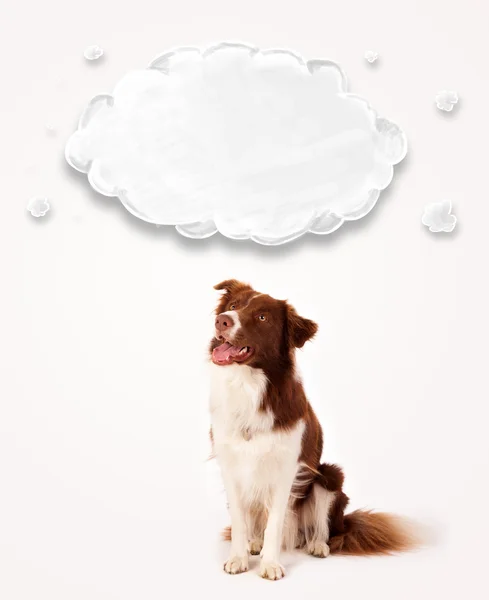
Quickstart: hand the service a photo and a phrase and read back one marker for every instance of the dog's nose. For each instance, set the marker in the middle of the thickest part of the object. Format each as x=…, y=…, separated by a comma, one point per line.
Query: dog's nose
x=223, y=323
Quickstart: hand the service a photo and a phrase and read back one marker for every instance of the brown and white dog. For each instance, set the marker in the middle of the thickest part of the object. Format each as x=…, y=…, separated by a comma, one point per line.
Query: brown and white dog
x=268, y=443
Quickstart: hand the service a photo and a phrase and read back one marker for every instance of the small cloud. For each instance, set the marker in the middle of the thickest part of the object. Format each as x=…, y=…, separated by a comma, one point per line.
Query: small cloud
x=437, y=216
x=371, y=56
x=93, y=52
x=446, y=100
x=38, y=206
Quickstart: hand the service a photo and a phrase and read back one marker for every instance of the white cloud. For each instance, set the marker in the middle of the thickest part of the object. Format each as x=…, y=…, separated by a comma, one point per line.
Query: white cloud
x=38, y=206
x=437, y=216
x=93, y=52
x=446, y=100
x=254, y=144
x=371, y=56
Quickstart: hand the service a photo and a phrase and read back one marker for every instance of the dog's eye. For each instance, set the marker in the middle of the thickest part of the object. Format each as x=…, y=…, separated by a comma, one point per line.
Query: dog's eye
x=262, y=317
x=232, y=307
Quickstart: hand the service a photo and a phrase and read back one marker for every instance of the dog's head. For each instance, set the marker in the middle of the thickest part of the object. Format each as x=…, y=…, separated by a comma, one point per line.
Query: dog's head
x=255, y=329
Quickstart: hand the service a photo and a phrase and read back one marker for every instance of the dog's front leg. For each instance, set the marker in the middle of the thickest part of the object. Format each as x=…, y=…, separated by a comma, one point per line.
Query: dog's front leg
x=238, y=560
x=270, y=567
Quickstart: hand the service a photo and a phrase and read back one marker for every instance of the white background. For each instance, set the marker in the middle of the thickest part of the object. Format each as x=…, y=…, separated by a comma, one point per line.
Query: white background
x=104, y=488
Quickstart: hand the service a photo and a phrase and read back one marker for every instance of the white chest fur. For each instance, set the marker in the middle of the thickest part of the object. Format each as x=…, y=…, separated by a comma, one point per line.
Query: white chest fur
x=236, y=396
x=247, y=448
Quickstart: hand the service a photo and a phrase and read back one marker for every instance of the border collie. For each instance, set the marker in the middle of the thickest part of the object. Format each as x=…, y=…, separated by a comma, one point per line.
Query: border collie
x=268, y=443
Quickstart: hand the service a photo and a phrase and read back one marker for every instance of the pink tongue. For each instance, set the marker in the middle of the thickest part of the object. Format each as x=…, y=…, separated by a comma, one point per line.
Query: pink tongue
x=225, y=352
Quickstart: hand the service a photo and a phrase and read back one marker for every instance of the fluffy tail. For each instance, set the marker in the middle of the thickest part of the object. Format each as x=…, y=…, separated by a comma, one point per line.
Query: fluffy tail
x=366, y=533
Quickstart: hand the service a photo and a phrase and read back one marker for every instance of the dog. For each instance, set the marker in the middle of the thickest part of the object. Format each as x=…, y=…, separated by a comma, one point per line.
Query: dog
x=268, y=444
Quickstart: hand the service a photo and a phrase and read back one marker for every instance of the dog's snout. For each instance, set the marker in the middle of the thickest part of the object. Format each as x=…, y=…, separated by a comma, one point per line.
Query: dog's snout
x=223, y=323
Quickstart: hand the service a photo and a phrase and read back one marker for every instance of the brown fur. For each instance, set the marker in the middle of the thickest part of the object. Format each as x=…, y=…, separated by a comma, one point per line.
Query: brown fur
x=367, y=532
x=274, y=342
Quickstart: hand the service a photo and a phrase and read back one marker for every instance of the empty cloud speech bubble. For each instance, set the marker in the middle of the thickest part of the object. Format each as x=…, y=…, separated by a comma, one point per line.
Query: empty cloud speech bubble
x=254, y=144
x=437, y=216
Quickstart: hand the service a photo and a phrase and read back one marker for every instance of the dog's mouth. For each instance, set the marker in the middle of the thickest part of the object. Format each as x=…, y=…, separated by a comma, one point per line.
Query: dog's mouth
x=226, y=353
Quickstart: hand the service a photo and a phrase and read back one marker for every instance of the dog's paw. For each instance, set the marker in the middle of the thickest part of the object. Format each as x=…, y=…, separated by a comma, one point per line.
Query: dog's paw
x=255, y=547
x=271, y=570
x=236, y=564
x=319, y=549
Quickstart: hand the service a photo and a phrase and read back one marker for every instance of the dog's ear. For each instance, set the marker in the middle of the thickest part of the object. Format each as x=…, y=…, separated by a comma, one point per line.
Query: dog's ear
x=231, y=286
x=299, y=329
